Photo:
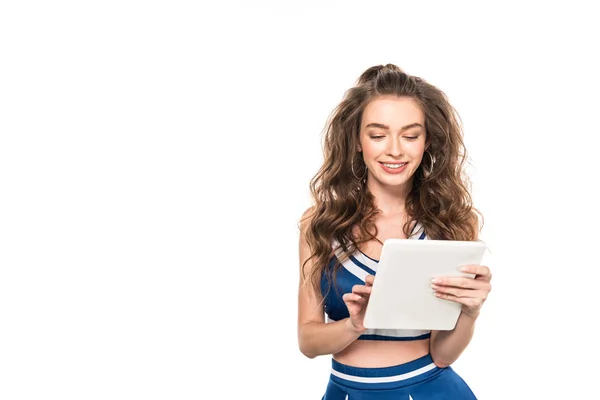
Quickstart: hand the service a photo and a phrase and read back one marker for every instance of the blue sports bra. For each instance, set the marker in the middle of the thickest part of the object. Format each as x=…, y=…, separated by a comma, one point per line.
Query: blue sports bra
x=353, y=272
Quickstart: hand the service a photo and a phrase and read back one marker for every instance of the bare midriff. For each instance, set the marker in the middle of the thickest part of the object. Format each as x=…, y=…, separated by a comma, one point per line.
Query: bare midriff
x=379, y=353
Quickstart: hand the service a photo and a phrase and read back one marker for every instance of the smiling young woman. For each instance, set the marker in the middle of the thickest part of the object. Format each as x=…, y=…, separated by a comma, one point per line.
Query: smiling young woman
x=393, y=168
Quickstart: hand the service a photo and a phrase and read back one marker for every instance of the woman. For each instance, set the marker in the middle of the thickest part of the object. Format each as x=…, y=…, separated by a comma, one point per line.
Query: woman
x=393, y=168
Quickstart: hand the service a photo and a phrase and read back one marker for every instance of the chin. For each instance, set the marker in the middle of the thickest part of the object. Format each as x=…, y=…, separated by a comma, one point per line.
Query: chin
x=393, y=181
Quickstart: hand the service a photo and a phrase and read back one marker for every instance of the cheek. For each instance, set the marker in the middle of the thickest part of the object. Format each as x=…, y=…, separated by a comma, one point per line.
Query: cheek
x=417, y=150
x=371, y=149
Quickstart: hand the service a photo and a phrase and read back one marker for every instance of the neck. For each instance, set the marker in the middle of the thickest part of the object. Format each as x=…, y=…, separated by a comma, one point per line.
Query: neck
x=390, y=200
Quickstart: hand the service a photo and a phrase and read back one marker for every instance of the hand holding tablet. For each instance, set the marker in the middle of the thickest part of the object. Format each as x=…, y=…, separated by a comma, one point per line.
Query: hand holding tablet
x=402, y=296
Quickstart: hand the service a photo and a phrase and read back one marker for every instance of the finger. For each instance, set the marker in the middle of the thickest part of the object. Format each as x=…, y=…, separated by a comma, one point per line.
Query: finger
x=361, y=289
x=456, y=281
x=486, y=278
x=351, y=297
x=369, y=279
x=470, y=302
x=354, y=303
x=463, y=293
x=354, y=298
x=480, y=271
x=470, y=285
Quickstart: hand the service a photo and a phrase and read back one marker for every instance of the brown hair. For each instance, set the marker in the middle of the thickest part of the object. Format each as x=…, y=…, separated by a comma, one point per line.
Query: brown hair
x=344, y=209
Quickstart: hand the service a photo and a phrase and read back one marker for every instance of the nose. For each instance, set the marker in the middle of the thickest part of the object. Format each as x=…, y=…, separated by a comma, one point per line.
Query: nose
x=394, y=148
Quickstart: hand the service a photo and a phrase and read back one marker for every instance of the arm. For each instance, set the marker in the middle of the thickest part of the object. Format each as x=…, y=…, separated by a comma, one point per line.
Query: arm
x=446, y=346
x=315, y=337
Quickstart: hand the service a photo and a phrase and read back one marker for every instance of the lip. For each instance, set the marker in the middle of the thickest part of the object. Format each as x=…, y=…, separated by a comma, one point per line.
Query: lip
x=393, y=171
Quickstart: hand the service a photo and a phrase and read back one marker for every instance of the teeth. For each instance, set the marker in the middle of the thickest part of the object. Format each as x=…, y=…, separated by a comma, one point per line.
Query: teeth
x=394, y=166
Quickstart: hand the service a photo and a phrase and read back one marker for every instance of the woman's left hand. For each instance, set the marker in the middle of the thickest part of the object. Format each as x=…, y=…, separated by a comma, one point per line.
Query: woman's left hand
x=470, y=292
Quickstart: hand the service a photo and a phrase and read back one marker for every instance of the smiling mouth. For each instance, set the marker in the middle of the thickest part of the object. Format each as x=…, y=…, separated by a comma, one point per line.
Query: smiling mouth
x=393, y=165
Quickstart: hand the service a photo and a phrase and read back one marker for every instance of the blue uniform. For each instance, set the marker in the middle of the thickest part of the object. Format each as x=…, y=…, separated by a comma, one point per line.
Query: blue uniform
x=419, y=379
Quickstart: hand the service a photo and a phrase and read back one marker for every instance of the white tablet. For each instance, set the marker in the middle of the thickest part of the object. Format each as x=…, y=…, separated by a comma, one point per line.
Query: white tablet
x=402, y=297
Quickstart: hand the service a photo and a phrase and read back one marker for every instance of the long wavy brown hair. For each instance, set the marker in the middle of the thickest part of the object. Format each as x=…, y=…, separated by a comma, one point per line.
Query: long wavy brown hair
x=344, y=209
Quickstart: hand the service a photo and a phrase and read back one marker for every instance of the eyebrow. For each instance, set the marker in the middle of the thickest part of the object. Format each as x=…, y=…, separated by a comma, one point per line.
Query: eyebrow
x=382, y=126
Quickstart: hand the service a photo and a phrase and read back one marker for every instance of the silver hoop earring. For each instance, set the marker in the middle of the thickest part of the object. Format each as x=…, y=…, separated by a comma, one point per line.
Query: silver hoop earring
x=426, y=174
x=356, y=176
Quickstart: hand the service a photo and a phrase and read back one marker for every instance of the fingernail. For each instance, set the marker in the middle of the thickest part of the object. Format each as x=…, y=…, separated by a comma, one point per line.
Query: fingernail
x=436, y=280
x=464, y=269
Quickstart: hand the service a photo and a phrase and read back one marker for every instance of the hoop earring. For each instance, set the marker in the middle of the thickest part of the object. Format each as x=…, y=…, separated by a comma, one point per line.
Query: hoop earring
x=356, y=176
x=427, y=174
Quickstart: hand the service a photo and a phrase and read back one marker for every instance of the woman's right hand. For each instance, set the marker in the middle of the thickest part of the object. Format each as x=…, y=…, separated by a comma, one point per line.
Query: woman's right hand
x=356, y=302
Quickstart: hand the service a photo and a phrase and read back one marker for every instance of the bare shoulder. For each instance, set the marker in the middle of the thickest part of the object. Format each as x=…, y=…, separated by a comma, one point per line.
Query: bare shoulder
x=307, y=259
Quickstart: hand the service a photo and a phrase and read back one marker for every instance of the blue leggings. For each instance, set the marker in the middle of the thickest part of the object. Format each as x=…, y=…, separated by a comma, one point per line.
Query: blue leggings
x=420, y=379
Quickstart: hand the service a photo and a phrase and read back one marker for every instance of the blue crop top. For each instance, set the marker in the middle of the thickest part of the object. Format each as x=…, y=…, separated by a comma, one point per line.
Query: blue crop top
x=353, y=272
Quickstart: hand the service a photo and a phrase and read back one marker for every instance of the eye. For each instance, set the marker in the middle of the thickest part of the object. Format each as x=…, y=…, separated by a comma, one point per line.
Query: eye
x=376, y=137
x=411, y=137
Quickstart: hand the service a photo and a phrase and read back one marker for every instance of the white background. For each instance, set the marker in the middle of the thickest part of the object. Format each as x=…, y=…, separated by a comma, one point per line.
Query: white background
x=155, y=160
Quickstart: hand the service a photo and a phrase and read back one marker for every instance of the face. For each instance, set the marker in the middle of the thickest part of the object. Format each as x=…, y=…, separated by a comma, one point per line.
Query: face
x=392, y=140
